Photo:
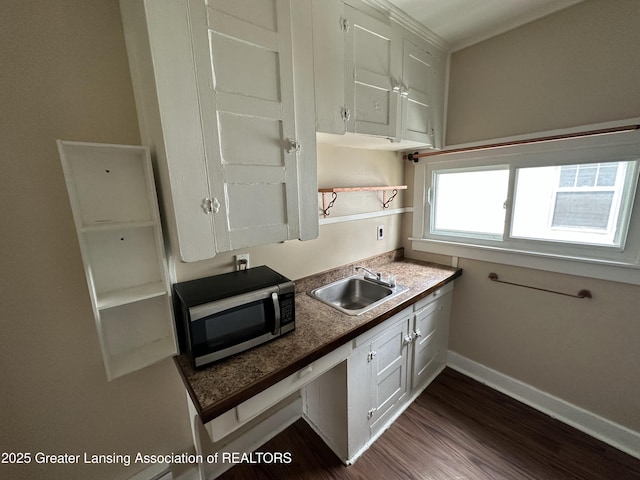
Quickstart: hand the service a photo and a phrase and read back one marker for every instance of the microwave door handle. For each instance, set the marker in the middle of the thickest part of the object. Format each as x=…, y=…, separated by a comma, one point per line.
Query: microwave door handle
x=276, y=310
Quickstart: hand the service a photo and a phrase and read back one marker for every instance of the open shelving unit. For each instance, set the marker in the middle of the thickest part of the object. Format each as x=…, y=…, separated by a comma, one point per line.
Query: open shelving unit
x=113, y=199
x=328, y=203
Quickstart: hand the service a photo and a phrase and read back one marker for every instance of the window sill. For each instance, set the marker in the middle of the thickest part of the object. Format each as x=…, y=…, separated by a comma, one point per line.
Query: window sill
x=584, y=267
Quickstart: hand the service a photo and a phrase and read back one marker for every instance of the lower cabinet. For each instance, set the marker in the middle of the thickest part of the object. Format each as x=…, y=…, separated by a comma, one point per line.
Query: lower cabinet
x=390, y=365
x=377, y=379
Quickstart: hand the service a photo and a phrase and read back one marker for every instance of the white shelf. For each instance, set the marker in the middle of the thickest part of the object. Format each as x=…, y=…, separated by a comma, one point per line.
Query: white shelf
x=113, y=200
x=143, y=356
x=116, y=298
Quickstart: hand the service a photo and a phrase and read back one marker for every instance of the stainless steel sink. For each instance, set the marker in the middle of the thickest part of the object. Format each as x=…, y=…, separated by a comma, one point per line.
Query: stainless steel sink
x=356, y=295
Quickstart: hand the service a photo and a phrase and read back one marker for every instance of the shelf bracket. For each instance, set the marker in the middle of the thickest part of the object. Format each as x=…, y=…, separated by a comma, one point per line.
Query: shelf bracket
x=326, y=206
x=386, y=201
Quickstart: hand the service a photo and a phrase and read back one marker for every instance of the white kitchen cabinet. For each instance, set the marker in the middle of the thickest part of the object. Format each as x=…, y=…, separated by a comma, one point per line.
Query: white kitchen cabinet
x=113, y=199
x=355, y=70
x=385, y=362
x=394, y=79
x=329, y=27
x=349, y=406
x=224, y=91
x=372, y=74
x=430, y=333
x=421, y=92
x=390, y=365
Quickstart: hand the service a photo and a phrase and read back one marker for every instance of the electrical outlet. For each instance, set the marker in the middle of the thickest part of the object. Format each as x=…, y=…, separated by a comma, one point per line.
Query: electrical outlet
x=242, y=261
x=380, y=232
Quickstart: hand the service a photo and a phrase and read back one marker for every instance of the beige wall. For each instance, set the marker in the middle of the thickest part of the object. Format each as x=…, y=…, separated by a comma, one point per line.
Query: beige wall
x=65, y=76
x=575, y=67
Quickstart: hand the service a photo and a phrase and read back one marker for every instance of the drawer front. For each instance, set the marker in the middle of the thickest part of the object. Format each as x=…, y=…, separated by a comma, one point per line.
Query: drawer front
x=263, y=400
x=233, y=419
x=436, y=294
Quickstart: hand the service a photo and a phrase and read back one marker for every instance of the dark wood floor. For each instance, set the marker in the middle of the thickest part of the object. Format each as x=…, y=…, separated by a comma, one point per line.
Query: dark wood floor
x=457, y=429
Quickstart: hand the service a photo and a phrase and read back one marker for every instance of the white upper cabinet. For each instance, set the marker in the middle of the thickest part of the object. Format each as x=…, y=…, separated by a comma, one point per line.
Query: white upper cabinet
x=421, y=91
x=371, y=75
x=329, y=28
x=231, y=121
x=393, y=95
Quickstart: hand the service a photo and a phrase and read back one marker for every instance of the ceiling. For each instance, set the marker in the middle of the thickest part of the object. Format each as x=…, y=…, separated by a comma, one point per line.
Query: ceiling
x=464, y=22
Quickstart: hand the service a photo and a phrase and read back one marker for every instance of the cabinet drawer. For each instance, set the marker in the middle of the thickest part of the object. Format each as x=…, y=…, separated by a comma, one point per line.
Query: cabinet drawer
x=233, y=419
x=433, y=296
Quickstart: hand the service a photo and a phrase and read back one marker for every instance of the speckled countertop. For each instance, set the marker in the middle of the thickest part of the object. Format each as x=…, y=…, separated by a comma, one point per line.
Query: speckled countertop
x=319, y=330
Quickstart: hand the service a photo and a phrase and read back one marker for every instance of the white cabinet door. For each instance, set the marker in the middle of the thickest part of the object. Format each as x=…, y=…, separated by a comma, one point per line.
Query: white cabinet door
x=388, y=357
x=426, y=346
x=161, y=63
x=417, y=93
x=376, y=380
x=243, y=55
x=430, y=337
x=329, y=26
x=371, y=75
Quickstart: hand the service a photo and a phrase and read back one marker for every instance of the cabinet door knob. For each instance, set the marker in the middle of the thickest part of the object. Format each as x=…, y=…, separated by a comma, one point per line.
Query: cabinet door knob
x=210, y=205
x=345, y=114
x=293, y=146
x=408, y=339
x=417, y=333
x=344, y=24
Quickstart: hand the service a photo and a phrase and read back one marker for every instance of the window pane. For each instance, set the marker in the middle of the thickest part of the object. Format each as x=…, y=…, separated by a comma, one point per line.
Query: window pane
x=568, y=176
x=470, y=202
x=582, y=210
x=587, y=175
x=607, y=175
x=548, y=206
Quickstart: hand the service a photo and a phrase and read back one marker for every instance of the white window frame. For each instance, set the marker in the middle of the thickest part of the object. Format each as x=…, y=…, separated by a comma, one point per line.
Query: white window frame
x=607, y=262
x=625, y=181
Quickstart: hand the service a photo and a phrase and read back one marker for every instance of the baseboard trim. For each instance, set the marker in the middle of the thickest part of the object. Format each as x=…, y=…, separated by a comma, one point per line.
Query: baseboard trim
x=613, y=434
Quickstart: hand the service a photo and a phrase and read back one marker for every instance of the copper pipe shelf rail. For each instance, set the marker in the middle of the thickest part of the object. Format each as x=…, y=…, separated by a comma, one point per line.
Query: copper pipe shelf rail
x=326, y=205
x=581, y=294
x=415, y=156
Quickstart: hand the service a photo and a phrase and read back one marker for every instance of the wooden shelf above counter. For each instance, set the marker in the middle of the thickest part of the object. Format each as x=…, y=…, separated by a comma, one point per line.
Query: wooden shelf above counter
x=327, y=204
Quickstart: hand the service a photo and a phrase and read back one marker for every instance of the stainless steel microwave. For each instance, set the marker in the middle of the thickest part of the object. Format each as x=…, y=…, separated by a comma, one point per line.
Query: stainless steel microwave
x=222, y=315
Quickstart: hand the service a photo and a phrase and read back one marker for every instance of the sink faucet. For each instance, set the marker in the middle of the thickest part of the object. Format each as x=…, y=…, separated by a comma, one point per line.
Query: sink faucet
x=377, y=277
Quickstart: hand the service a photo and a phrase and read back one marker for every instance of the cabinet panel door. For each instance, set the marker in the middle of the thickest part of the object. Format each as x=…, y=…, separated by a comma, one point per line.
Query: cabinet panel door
x=328, y=60
x=426, y=346
x=243, y=52
x=159, y=46
x=389, y=374
x=418, y=78
x=370, y=76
